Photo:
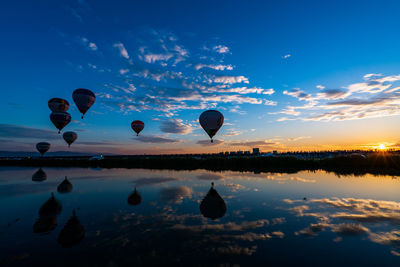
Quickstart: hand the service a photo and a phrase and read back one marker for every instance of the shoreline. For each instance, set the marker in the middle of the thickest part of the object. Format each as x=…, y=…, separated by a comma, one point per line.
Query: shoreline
x=376, y=165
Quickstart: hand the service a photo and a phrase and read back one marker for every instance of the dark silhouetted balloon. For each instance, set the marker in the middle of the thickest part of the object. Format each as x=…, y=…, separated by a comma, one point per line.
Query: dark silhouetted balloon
x=39, y=176
x=72, y=233
x=51, y=207
x=45, y=224
x=58, y=105
x=83, y=99
x=213, y=206
x=137, y=126
x=42, y=147
x=60, y=119
x=134, y=198
x=211, y=121
x=65, y=186
x=70, y=137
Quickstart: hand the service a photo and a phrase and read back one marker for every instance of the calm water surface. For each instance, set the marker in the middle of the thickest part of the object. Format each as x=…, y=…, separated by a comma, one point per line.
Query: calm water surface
x=270, y=219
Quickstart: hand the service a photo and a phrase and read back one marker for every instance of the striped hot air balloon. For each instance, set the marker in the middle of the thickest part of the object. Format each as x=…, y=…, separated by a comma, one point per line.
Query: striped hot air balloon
x=84, y=99
x=60, y=119
x=70, y=137
x=42, y=147
x=211, y=121
x=58, y=105
x=137, y=126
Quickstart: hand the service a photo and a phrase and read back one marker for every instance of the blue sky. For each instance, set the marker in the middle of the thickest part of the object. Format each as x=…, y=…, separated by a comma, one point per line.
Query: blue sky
x=287, y=75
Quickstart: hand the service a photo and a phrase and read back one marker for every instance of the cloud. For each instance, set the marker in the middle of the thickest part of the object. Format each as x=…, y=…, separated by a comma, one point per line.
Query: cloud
x=167, y=90
x=89, y=45
x=286, y=56
x=215, y=67
x=298, y=138
x=376, y=97
x=253, y=143
x=155, y=139
x=230, y=79
x=349, y=229
x=210, y=177
x=122, y=50
x=221, y=49
x=242, y=90
x=208, y=142
x=16, y=131
x=153, y=180
x=175, y=126
x=151, y=58
x=175, y=194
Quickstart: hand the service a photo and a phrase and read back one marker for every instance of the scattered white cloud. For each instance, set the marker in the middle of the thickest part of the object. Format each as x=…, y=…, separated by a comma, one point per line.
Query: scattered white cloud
x=122, y=50
x=221, y=49
x=215, y=67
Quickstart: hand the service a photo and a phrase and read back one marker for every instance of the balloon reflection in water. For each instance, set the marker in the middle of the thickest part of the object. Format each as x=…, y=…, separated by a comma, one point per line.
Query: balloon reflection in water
x=134, y=198
x=65, y=186
x=72, y=233
x=213, y=206
x=48, y=212
x=39, y=176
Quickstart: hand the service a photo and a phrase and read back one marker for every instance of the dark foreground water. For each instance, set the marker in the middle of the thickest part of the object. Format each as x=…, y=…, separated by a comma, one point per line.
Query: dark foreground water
x=270, y=219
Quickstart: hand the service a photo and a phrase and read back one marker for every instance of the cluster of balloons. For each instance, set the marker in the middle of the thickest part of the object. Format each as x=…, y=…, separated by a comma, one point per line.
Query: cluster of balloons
x=83, y=98
x=211, y=120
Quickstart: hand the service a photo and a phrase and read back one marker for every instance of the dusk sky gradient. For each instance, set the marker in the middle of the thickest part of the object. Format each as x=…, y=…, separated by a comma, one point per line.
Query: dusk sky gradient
x=287, y=75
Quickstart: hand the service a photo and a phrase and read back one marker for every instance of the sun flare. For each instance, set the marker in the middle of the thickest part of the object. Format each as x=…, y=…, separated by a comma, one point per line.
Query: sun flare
x=382, y=146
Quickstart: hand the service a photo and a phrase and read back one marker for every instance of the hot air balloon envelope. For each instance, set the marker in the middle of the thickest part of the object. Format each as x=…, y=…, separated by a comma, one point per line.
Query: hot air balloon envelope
x=83, y=99
x=51, y=207
x=134, y=198
x=211, y=121
x=64, y=187
x=58, y=105
x=213, y=206
x=60, y=119
x=137, y=126
x=39, y=176
x=70, y=137
x=72, y=233
x=42, y=147
x=45, y=224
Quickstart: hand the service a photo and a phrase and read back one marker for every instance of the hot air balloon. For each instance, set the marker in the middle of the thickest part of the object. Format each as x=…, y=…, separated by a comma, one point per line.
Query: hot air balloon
x=213, y=206
x=58, y=105
x=83, y=99
x=39, y=176
x=45, y=224
x=72, y=233
x=134, y=198
x=137, y=126
x=70, y=137
x=48, y=212
x=51, y=207
x=211, y=121
x=42, y=147
x=60, y=119
x=65, y=186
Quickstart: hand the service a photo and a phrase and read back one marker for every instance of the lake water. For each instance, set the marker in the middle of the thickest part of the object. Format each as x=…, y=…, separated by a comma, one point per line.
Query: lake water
x=307, y=218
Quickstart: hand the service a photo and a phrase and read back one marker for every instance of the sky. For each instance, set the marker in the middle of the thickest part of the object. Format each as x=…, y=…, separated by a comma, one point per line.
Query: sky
x=287, y=75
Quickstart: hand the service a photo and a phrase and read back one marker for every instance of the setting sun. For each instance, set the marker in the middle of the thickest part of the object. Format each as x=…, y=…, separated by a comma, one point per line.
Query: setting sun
x=382, y=147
